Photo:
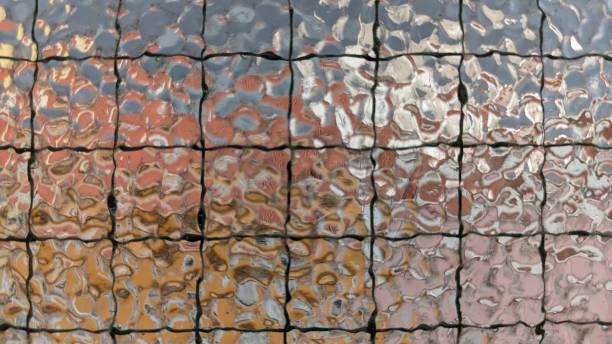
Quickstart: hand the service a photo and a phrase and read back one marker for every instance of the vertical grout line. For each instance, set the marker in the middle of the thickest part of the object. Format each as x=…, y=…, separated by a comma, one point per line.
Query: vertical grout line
x=112, y=201
x=31, y=161
x=542, y=248
x=376, y=48
x=289, y=181
x=201, y=212
x=462, y=94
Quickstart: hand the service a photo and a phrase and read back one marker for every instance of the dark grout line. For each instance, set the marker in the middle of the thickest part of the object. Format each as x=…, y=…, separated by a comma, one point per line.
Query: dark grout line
x=334, y=56
x=112, y=202
x=125, y=148
x=274, y=57
x=420, y=327
x=31, y=162
x=289, y=183
x=496, y=52
x=200, y=279
x=404, y=238
x=201, y=210
x=580, y=323
x=196, y=147
x=372, y=320
x=267, y=55
x=540, y=330
x=430, y=328
x=199, y=237
x=542, y=252
x=462, y=95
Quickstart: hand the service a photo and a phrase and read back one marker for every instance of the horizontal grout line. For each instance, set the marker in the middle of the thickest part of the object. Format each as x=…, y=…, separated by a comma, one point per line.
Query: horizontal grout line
x=497, y=145
x=421, y=327
x=499, y=235
x=580, y=323
x=115, y=330
x=198, y=237
x=275, y=57
x=429, y=328
x=196, y=147
x=497, y=52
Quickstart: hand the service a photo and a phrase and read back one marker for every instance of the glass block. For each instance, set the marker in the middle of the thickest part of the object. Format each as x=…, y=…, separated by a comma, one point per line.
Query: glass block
x=328, y=337
x=578, y=278
x=69, y=337
x=71, y=285
x=508, y=26
x=155, y=284
x=158, y=192
x=417, y=102
x=438, y=335
x=502, y=280
x=246, y=191
x=159, y=101
x=419, y=26
x=518, y=334
x=16, y=39
x=331, y=192
x=75, y=104
x=171, y=27
x=576, y=333
x=503, y=99
x=417, y=191
x=329, y=283
x=415, y=281
x=502, y=189
x=15, y=108
x=578, y=101
x=14, y=194
x=579, y=190
x=244, y=284
x=576, y=27
x=334, y=27
x=76, y=28
x=253, y=26
x=13, y=275
x=161, y=337
x=14, y=336
x=247, y=101
x=230, y=337
x=332, y=102
x=70, y=193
